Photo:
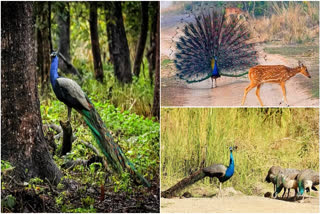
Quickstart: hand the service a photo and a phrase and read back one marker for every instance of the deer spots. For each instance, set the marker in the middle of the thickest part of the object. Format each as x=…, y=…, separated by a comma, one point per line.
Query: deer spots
x=271, y=74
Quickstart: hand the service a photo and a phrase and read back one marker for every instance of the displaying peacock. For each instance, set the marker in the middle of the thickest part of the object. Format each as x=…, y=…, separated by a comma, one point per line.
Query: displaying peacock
x=71, y=94
x=213, y=45
x=219, y=171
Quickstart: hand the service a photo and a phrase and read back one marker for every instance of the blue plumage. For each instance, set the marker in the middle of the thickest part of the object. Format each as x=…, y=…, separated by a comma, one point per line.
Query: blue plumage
x=53, y=71
x=230, y=169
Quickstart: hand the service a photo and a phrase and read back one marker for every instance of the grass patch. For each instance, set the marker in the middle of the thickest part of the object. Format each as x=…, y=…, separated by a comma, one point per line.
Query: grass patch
x=265, y=137
x=293, y=23
x=293, y=50
x=166, y=62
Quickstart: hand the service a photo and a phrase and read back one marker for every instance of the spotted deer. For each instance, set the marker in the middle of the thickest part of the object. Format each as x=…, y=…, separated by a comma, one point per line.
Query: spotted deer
x=235, y=12
x=272, y=74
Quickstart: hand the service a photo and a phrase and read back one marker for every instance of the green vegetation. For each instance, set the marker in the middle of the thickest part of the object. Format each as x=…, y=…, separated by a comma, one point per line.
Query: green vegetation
x=265, y=137
x=138, y=136
x=136, y=97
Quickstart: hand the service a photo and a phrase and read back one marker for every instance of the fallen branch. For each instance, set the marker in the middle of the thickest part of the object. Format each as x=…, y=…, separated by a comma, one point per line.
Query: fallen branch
x=89, y=145
x=67, y=137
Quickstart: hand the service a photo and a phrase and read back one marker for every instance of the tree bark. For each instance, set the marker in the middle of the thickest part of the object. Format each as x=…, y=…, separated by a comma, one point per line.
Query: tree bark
x=151, y=54
x=43, y=44
x=142, y=38
x=63, y=20
x=22, y=140
x=109, y=32
x=119, y=48
x=156, y=96
x=98, y=70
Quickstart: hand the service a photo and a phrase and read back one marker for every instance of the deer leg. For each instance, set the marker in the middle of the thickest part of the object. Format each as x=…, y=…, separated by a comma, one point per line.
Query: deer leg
x=258, y=94
x=283, y=87
x=251, y=86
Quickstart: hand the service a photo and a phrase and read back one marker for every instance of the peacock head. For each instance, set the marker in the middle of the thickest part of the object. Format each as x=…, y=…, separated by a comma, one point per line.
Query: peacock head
x=54, y=54
x=232, y=148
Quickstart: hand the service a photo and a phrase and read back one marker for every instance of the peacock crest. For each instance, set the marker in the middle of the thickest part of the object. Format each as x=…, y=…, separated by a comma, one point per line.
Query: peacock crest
x=209, y=38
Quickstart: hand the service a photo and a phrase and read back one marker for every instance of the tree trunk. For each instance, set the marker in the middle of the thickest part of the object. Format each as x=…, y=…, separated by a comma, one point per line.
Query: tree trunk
x=98, y=70
x=109, y=32
x=63, y=20
x=156, y=96
x=142, y=39
x=151, y=54
x=22, y=140
x=119, y=48
x=43, y=44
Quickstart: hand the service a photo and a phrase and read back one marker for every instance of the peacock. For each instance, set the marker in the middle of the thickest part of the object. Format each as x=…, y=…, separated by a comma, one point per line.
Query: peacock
x=219, y=171
x=213, y=45
x=71, y=94
x=307, y=180
x=272, y=177
x=287, y=179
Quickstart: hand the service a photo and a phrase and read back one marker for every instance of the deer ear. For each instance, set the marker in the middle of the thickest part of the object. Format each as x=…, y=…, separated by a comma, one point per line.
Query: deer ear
x=299, y=63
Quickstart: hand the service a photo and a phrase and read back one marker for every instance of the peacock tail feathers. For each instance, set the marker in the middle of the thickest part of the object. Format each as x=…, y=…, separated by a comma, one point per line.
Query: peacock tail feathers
x=111, y=150
x=196, y=176
x=212, y=36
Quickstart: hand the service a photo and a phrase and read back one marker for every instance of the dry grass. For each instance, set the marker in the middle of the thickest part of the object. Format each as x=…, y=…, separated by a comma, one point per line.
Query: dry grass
x=295, y=23
x=265, y=137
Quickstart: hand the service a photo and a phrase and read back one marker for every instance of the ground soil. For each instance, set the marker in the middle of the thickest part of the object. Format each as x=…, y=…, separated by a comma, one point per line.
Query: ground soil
x=27, y=199
x=229, y=92
x=238, y=204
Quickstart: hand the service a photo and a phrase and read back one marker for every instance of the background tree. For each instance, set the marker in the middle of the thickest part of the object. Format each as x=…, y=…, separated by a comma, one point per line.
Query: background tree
x=63, y=20
x=43, y=43
x=156, y=96
x=98, y=70
x=119, y=49
x=151, y=53
x=22, y=140
x=142, y=39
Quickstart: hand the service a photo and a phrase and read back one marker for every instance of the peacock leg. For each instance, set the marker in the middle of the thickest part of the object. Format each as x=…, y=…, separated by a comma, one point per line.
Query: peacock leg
x=220, y=189
x=288, y=193
x=69, y=113
x=212, y=82
x=215, y=83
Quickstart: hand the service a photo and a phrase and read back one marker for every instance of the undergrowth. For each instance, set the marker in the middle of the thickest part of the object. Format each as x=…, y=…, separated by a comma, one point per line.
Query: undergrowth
x=265, y=137
x=138, y=136
x=290, y=23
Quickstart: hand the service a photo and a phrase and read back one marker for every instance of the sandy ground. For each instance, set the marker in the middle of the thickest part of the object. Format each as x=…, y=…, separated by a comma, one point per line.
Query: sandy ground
x=238, y=204
x=229, y=92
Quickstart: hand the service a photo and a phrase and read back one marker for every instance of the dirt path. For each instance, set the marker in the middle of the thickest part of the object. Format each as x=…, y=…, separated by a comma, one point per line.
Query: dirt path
x=229, y=92
x=239, y=204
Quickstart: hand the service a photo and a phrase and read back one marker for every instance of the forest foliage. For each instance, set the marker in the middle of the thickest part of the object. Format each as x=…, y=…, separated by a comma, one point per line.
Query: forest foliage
x=124, y=108
x=136, y=97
